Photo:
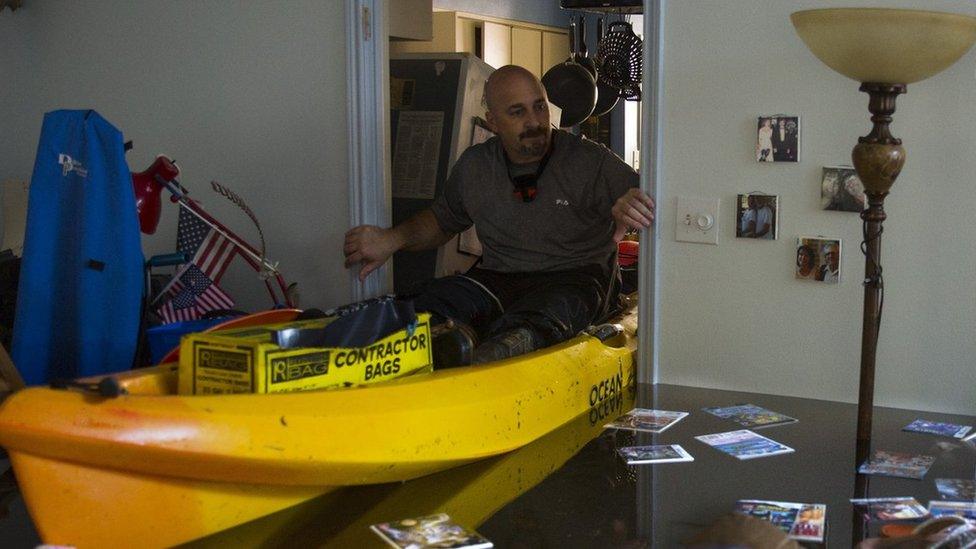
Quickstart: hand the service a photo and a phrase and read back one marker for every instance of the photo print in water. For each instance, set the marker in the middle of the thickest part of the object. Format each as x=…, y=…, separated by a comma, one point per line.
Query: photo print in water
x=757, y=216
x=841, y=190
x=818, y=259
x=778, y=139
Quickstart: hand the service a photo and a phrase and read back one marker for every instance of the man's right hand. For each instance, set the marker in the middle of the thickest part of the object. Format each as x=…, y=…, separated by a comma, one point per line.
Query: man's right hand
x=369, y=246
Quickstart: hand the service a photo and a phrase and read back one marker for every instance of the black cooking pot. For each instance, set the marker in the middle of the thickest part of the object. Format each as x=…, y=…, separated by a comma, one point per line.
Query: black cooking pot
x=571, y=88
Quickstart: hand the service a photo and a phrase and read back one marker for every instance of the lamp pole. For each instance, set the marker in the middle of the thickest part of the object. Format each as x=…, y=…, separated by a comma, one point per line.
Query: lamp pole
x=878, y=158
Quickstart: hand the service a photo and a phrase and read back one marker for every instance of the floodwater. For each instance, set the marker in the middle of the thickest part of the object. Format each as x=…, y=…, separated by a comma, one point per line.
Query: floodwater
x=571, y=489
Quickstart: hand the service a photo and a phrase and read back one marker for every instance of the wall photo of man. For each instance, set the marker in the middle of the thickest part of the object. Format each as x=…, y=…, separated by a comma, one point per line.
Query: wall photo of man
x=757, y=216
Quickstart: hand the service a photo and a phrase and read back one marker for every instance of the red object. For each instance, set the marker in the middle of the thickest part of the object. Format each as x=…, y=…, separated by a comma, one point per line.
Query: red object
x=627, y=252
x=897, y=530
x=148, y=188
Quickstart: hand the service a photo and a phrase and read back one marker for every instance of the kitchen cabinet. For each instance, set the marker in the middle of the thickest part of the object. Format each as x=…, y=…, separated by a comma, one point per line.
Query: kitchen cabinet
x=497, y=41
x=555, y=48
x=527, y=49
x=410, y=19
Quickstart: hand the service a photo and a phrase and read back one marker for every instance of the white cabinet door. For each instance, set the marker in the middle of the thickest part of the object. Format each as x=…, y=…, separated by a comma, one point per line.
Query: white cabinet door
x=498, y=44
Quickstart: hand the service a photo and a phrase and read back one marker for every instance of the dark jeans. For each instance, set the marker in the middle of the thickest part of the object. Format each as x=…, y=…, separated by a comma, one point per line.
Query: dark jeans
x=555, y=306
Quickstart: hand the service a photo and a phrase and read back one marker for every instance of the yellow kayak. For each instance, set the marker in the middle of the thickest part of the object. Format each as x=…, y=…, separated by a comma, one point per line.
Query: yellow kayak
x=154, y=468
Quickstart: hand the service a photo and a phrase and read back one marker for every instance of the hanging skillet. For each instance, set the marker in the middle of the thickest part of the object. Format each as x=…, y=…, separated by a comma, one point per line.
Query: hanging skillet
x=607, y=95
x=579, y=52
x=571, y=87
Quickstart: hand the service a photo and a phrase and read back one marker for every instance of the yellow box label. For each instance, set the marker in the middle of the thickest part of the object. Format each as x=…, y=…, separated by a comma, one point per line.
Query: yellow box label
x=298, y=367
x=222, y=370
x=246, y=361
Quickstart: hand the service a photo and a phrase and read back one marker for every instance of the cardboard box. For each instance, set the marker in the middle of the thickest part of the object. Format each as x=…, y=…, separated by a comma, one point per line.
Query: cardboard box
x=246, y=360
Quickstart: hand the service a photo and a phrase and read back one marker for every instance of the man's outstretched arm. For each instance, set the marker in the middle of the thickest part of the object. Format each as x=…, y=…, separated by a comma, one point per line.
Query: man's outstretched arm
x=370, y=246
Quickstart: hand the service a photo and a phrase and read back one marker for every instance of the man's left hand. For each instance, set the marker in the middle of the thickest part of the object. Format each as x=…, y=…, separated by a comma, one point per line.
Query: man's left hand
x=634, y=210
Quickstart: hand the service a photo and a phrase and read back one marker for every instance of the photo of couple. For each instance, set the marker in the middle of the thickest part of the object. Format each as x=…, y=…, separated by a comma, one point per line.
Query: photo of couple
x=818, y=259
x=841, y=190
x=778, y=139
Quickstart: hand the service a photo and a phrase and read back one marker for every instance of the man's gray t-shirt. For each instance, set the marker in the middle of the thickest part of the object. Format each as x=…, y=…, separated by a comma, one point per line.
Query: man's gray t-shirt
x=567, y=225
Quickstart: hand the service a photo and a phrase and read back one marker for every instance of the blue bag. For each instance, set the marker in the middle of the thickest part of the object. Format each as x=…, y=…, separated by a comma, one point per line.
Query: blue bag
x=81, y=279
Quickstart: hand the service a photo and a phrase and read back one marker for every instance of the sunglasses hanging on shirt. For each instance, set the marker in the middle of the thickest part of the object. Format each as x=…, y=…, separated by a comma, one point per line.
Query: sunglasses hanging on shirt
x=525, y=185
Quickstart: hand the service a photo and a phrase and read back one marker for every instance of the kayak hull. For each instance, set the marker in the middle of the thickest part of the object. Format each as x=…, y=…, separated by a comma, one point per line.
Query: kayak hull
x=216, y=461
x=83, y=506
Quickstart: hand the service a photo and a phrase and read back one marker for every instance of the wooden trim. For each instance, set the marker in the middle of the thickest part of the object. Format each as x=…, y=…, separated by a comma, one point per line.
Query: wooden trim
x=509, y=22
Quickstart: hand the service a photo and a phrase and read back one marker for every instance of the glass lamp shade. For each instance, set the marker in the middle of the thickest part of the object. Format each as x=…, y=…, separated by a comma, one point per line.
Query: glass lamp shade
x=885, y=46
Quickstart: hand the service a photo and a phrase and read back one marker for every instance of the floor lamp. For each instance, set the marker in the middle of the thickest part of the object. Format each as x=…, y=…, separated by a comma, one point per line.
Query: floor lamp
x=885, y=50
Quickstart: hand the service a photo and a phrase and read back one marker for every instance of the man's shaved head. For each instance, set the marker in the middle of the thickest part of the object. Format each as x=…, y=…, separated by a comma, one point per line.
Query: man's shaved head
x=518, y=111
x=503, y=77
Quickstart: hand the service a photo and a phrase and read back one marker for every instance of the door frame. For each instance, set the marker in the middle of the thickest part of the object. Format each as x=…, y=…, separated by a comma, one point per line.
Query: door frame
x=367, y=93
x=367, y=72
x=651, y=170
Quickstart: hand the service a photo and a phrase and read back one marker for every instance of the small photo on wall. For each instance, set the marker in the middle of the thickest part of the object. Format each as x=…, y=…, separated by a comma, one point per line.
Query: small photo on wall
x=778, y=139
x=757, y=216
x=842, y=190
x=818, y=258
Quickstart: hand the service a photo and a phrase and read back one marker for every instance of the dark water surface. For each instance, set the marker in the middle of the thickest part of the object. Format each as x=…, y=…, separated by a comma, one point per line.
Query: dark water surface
x=570, y=489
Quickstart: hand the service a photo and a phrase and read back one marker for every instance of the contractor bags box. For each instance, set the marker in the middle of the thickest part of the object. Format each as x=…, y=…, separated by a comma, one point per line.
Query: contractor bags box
x=248, y=361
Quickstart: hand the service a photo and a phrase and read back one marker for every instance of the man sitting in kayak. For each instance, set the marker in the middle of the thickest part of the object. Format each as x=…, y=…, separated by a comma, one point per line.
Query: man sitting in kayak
x=549, y=207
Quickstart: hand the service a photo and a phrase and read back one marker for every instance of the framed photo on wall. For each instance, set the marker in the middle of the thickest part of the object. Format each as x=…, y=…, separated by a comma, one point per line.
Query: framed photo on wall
x=842, y=190
x=778, y=138
x=757, y=216
x=818, y=258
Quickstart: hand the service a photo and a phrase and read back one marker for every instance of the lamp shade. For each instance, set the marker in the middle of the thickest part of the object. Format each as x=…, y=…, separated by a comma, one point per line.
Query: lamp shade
x=885, y=46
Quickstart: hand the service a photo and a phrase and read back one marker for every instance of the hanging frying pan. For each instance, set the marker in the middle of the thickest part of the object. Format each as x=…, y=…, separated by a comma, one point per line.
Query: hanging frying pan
x=607, y=95
x=579, y=53
x=571, y=87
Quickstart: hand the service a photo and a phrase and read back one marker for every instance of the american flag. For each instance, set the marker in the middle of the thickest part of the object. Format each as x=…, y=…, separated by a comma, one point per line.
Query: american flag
x=193, y=295
x=209, y=249
x=195, y=291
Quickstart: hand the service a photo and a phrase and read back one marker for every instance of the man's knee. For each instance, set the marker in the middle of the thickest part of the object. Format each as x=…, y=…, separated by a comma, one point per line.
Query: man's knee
x=556, y=316
x=455, y=297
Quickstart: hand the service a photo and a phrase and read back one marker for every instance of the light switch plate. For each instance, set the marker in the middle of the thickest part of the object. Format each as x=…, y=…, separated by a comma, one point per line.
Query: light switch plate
x=697, y=220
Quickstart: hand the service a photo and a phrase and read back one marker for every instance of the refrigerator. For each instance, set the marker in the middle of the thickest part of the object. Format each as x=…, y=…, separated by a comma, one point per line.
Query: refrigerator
x=434, y=100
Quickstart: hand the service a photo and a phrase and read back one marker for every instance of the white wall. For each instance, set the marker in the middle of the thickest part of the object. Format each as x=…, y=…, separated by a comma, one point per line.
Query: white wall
x=732, y=316
x=251, y=94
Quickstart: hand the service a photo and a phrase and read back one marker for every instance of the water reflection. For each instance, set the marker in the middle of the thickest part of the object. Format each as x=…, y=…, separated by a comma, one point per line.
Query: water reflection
x=469, y=494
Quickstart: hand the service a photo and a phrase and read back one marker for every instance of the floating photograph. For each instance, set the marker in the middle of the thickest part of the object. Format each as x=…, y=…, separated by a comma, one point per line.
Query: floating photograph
x=893, y=508
x=429, y=531
x=659, y=453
